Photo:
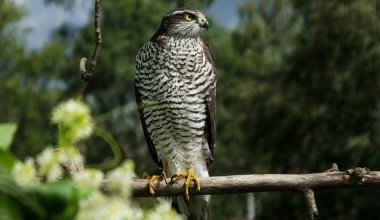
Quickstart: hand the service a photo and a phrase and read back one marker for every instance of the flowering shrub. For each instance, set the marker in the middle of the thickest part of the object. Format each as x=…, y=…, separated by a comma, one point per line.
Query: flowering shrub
x=40, y=187
x=74, y=120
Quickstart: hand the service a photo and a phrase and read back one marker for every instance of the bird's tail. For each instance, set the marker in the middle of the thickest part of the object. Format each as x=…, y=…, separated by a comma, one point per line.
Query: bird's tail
x=197, y=207
x=194, y=209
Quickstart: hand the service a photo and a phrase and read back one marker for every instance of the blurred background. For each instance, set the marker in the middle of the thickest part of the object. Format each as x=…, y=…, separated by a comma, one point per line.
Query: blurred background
x=298, y=89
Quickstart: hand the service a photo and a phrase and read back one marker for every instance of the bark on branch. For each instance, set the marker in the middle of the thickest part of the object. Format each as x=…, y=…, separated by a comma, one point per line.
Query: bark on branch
x=358, y=177
x=302, y=183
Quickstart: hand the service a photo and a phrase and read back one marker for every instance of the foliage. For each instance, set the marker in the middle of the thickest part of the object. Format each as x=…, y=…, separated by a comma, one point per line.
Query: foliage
x=29, y=86
x=39, y=189
x=69, y=113
x=305, y=85
x=7, y=131
x=297, y=90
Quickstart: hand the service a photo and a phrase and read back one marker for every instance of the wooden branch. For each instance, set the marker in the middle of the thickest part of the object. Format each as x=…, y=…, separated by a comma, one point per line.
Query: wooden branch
x=358, y=177
x=85, y=75
x=302, y=183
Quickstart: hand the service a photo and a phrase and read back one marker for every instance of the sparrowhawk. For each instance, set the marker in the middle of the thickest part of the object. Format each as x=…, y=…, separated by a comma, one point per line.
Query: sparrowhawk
x=175, y=91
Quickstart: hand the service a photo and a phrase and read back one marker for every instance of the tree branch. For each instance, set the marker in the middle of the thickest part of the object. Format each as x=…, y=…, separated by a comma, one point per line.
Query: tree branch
x=265, y=183
x=85, y=75
x=303, y=183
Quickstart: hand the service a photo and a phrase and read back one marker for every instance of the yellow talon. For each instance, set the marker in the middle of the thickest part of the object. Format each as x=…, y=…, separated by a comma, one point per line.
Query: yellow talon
x=152, y=180
x=190, y=176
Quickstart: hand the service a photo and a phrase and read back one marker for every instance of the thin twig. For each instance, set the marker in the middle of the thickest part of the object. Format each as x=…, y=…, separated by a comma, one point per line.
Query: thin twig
x=85, y=75
x=311, y=204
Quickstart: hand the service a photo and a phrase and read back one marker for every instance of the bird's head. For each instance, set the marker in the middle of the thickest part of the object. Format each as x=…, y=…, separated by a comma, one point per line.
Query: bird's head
x=183, y=22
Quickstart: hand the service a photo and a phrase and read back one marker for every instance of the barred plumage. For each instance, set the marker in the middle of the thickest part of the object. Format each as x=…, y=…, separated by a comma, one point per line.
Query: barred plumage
x=175, y=91
x=173, y=84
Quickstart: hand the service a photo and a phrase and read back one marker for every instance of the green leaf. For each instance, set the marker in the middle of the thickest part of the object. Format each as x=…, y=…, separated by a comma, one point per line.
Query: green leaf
x=60, y=199
x=9, y=209
x=29, y=208
x=7, y=161
x=7, y=131
x=57, y=201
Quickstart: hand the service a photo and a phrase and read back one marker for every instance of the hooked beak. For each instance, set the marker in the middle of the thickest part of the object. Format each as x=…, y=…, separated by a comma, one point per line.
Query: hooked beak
x=205, y=25
x=202, y=21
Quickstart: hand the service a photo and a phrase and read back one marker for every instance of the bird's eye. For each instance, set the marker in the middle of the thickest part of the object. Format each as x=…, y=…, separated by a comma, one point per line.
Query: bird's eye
x=188, y=17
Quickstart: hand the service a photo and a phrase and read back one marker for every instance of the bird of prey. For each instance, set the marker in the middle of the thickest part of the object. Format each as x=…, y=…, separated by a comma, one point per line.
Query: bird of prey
x=175, y=92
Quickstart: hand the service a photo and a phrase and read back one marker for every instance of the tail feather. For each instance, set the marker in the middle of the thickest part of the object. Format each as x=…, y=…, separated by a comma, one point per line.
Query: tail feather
x=195, y=209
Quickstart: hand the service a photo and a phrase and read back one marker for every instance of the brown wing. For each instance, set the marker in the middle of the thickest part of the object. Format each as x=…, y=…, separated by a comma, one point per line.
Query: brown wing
x=210, y=129
x=149, y=141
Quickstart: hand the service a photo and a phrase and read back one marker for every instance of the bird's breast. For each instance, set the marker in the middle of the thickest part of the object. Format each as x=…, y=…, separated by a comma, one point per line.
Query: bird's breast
x=173, y=80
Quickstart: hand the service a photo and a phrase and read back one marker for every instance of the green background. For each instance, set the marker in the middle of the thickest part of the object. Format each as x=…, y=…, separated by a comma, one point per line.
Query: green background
x=298, y=89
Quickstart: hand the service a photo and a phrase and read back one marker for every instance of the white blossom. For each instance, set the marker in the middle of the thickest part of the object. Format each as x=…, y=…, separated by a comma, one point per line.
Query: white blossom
x=100, y=206
x=88, y=178
x=120, y=179
x=49, y=162
x=74, y=119
x=163, y=210
x=25, y=173
x=73, y=156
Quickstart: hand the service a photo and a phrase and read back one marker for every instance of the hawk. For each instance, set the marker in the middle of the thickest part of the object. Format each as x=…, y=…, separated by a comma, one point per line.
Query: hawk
x=175, y=91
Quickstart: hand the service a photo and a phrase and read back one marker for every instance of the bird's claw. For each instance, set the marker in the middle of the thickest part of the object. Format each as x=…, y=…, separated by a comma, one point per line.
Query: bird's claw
x=190, y=177
x=153, y=179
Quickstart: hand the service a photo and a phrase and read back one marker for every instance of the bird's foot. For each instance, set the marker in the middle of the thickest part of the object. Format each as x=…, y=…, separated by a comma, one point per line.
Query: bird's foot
x=153, y=180
x=190, y=176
